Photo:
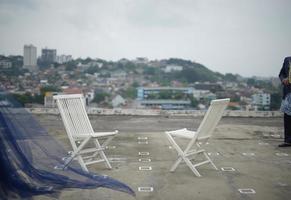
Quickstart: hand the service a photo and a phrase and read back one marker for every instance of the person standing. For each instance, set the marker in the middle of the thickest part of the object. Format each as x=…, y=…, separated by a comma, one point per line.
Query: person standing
x=285, y=77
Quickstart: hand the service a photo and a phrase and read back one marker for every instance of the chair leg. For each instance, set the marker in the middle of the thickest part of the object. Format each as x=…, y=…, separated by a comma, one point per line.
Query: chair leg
x=82, y=163
x=102, y=154
x=208, y=158
x=76, y=150
x=175, y=165
x=190, y=165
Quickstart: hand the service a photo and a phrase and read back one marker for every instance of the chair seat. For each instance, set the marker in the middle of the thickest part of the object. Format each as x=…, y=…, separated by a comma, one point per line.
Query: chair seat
x=104, y=134
x=183, y=133
x=96, y=134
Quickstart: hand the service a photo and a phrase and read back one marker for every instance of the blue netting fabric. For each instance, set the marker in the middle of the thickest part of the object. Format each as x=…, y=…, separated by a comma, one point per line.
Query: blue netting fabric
x=29, y=157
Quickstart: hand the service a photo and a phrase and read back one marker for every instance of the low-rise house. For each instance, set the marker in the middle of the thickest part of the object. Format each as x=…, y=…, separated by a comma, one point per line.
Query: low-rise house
x=203, y=94
x=118, y=101
x=5, y=64
x=49, y=102
x=118, y=74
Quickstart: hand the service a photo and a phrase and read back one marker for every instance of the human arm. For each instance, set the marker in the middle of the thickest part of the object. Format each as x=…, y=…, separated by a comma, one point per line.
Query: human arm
x=283, y=75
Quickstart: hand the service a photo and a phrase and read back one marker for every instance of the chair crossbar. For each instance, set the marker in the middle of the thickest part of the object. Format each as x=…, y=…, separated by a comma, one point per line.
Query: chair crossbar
x=90, y=150
x=202, y=163
x=193, y=152
x=94, y=161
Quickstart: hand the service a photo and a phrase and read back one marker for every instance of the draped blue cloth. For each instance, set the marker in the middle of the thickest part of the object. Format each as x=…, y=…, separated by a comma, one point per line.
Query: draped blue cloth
x=29, y=157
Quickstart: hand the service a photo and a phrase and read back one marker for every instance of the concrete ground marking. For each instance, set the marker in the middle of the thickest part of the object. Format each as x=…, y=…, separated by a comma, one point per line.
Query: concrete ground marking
x=213, y=153
x=117, y=159
x=143, y=142
x=142, y=138
x=281, y=154
x=145, y=189
x=227, y=169
x=263, y=143
x=247, y=191
x=144, y=153
x=145, y=168
x=144, y=160
x=203, y=143
x=248, y=154
x=282, y=184
x=276, y=136
x=110, y=147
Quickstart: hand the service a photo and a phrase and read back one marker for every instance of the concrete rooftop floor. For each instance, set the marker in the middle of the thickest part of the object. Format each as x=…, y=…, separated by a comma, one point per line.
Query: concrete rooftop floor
x=248, y=145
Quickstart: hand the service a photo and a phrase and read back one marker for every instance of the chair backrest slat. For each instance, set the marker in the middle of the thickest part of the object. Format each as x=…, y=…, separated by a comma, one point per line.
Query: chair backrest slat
x=211, y=118
x=209, y=122
x=74, y=115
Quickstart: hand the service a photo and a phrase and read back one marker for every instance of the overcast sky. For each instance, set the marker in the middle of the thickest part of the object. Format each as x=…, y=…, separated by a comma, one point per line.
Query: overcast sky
x=248, y=37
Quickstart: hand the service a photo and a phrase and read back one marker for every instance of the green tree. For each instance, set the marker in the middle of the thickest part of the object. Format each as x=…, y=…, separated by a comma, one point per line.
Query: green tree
x=71, y=66
x=129, y=93
x=153, y=96
x=49, y=88
x=99, y=97
x=23, y=98
x=178, y=95
x=135, y=84
x=194, y=102
x=149, y=71
x=92, y=70
x=230, y=77
x=275, y=101
x=166, y=94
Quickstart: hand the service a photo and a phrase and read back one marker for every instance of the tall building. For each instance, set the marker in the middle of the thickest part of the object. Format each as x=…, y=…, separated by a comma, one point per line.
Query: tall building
x=29, y=57
x=48, y=56
x=64, y=59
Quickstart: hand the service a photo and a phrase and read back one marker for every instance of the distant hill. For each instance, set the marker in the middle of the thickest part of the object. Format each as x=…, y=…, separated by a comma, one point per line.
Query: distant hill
x=193, y=71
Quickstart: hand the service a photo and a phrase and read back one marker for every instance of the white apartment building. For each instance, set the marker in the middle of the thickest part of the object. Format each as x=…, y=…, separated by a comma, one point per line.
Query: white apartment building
x=262, y=100
x=30, y=57
x=171, y=68
x=203, y=94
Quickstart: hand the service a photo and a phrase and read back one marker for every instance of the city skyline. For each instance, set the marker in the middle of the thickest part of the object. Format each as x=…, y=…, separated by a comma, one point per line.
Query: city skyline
x=244, y=37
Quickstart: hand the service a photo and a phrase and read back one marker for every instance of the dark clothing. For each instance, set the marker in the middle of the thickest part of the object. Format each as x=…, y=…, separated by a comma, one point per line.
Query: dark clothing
x=284, y=72
x=287, y=128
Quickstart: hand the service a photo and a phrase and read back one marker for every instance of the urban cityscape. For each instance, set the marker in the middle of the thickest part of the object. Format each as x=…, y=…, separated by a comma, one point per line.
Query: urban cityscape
x=145, y=100
x=168, y=84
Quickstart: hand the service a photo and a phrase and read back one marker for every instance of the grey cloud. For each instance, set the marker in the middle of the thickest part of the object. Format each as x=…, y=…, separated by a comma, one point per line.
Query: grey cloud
x=161, y=14
x=18, y=4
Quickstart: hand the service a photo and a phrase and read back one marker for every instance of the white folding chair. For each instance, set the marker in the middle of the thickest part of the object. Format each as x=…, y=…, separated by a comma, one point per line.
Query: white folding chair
x=80, y=132
x=198, y=138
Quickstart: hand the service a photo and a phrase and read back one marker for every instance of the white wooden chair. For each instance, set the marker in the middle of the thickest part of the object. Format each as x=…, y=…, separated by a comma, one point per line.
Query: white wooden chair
x=198, y=138
x=85, y=142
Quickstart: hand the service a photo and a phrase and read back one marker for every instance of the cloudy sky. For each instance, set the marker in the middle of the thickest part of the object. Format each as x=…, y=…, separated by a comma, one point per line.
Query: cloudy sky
x=248, y=37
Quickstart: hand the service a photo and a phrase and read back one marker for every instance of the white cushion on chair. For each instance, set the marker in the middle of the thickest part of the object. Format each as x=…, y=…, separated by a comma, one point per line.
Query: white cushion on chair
x=184, y=133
